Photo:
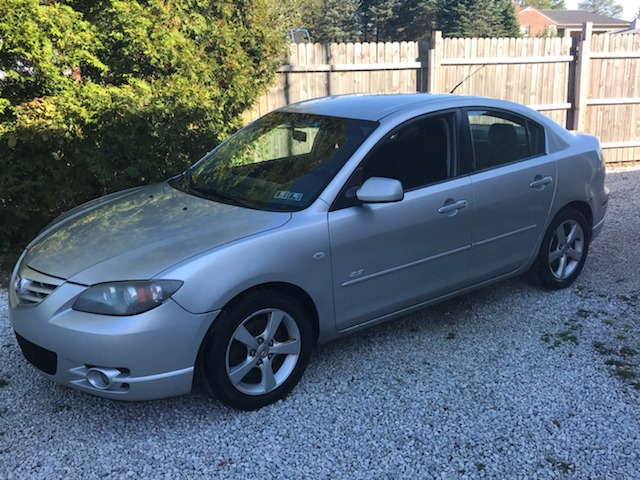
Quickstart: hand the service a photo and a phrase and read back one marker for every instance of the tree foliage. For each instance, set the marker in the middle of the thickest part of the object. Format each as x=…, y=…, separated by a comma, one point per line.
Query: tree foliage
x=608, y=8
x=368, y=20
x=288, y=13
x=331, y=20
x=546, y=4
x=477, y=18
x=376, y=18
x=100, y=95
x=397, y=20
x=406, y=20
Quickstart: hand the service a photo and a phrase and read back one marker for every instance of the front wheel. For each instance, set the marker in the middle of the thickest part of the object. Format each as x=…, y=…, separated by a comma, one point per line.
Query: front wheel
x=257, y=350
x=563, y=251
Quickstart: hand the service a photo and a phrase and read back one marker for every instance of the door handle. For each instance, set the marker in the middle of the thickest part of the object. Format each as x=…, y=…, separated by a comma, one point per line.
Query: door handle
x=452, y=208
x=540, y=182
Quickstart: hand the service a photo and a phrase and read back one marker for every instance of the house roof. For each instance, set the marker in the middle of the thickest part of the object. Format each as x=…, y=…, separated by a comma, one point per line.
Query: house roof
x=578, y=17
x=633, y=28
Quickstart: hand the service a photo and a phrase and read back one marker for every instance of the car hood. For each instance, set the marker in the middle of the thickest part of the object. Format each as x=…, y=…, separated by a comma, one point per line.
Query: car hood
x=138, y=233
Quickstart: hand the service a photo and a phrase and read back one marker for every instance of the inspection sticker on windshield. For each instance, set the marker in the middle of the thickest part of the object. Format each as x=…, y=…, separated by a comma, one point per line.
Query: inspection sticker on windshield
x=287, y=195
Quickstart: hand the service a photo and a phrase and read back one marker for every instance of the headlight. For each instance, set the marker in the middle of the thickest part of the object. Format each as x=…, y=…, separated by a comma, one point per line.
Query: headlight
x=126, y=298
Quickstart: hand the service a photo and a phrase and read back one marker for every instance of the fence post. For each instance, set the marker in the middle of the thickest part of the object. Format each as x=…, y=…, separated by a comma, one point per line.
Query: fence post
x=581, y=82
x=423, y=58
x=435, y=57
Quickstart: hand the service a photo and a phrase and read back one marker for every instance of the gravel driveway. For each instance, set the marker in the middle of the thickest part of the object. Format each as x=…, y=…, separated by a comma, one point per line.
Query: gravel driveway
x=507, y=382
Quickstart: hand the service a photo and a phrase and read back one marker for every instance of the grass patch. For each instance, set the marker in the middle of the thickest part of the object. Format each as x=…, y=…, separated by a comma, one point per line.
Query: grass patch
x=631, y=300
x=565, y=467
x=628, y=351
x=602, y=349
x=567, y=336
x=451, y=336
x=563, y=336
x=612, y=362
x=625, y=374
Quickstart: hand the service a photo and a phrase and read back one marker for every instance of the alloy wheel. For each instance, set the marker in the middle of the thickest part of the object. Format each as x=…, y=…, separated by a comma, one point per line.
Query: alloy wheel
x=566, y=249
x=263, y=351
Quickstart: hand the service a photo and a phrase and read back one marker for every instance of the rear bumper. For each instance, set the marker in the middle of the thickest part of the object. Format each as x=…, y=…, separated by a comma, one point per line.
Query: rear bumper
x=599, y=205
x=150, y=355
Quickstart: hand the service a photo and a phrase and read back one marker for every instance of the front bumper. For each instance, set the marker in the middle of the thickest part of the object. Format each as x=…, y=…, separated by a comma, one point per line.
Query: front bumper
x=151, y=354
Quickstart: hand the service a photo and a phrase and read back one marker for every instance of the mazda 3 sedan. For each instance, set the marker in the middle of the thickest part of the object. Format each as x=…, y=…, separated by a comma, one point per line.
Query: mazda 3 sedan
x=317, y=220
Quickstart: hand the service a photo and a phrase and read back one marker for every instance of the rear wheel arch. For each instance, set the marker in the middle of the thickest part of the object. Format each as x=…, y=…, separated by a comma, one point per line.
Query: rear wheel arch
x=563, y=249
x=585, y=210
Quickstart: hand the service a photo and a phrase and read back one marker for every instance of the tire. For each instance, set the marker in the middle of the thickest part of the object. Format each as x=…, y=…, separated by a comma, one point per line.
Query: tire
x=563, y=250
x=256, y=350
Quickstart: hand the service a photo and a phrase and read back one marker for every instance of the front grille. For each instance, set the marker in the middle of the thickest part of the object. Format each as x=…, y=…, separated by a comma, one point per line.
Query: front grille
x=39, y=357
x=32, y=287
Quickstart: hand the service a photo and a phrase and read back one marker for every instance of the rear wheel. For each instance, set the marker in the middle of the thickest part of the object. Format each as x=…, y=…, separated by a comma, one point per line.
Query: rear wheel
x=563, y=251
x=257, y=350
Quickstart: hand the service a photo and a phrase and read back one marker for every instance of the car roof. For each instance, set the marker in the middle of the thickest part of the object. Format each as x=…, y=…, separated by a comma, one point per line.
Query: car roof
x=376, y=107
x=364, y=106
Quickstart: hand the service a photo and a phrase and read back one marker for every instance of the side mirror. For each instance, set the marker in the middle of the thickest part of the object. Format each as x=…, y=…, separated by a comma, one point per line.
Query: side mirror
x=380, y=190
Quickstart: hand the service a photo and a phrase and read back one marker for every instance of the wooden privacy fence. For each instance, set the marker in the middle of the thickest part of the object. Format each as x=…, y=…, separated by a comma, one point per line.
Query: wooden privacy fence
x=608, y=100
x=591, y=84
x=315, y=70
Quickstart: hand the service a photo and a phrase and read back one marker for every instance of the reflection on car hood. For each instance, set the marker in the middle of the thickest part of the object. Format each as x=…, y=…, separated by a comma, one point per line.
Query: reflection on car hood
x=138, y=234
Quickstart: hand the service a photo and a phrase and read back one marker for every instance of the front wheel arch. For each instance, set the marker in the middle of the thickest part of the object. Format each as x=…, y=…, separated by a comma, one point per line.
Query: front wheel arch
x=281, y=298
x=290, y=290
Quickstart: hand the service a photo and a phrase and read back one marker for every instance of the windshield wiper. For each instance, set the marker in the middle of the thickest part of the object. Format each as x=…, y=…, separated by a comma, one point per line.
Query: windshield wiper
x=214, y=192
x=183, y=181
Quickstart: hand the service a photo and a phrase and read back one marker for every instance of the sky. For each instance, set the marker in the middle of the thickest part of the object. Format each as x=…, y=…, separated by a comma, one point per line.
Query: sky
x=630, y=7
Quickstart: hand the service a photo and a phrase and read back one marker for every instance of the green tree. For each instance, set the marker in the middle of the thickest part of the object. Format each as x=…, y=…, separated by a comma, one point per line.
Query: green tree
x=331, y=21
x=411, y=20
x=100, y=95
x=369, y=21
x=546, y=4
x=288, y=13
x=477, y=18
x=376, y=19
x=608, y=8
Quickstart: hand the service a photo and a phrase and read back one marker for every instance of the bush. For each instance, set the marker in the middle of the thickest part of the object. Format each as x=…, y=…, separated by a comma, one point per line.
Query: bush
x=101, y=96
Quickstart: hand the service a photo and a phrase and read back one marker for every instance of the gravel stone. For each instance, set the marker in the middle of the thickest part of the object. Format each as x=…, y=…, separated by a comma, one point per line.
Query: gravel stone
x=506, y=382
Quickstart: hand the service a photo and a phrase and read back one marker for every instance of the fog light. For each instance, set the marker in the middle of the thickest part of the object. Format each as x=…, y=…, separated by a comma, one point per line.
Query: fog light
x=103, y=378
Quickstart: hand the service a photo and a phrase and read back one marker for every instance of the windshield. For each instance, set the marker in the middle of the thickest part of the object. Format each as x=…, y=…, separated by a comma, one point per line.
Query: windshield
x=280, y=162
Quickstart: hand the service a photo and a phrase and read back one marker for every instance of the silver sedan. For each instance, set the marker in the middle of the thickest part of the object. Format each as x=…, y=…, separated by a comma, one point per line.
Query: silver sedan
x=315, y=221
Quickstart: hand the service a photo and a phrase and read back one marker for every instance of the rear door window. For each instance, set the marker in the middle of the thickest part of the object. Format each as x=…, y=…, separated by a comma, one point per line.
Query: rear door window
x=499, y=138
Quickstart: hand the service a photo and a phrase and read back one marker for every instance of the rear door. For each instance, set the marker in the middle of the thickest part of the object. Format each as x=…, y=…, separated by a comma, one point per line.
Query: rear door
x=514, y=184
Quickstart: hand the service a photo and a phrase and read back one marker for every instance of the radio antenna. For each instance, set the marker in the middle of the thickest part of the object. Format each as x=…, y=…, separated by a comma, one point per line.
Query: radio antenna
x=468, y=76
